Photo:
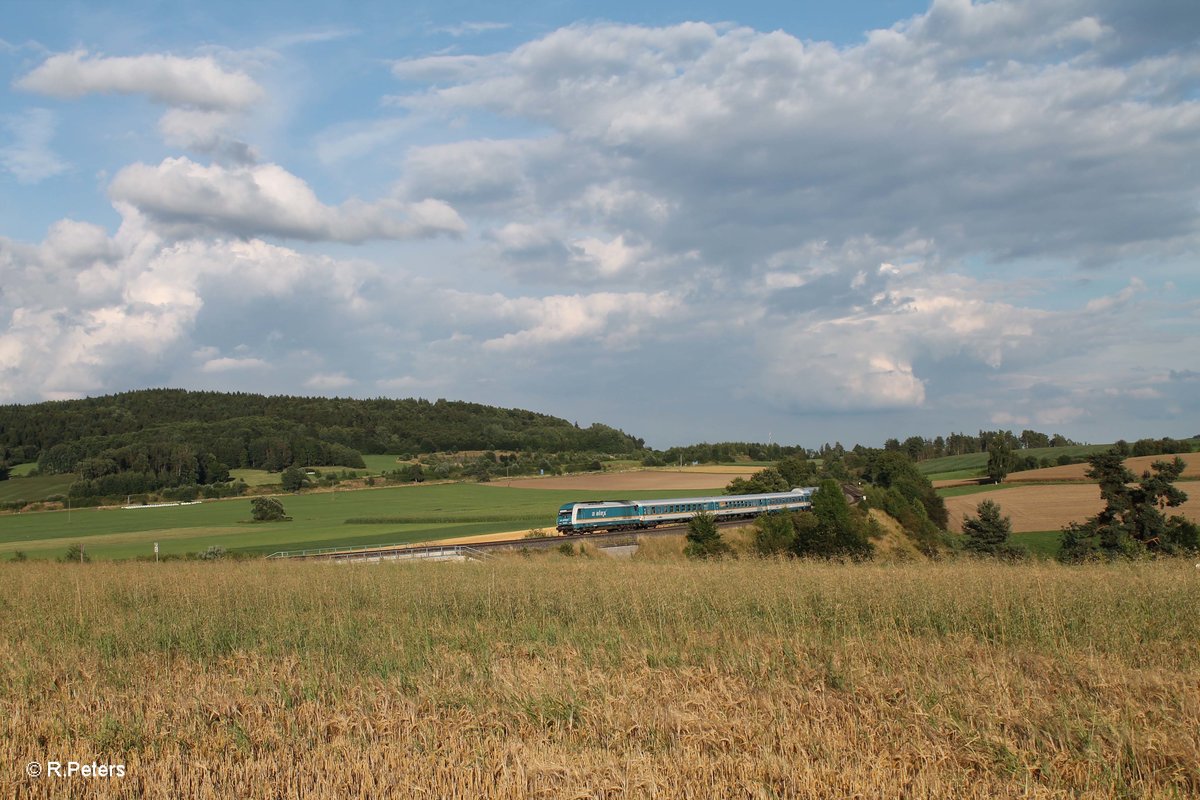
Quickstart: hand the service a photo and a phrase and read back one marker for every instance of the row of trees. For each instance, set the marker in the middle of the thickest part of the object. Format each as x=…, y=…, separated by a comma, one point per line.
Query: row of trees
x=919, y=448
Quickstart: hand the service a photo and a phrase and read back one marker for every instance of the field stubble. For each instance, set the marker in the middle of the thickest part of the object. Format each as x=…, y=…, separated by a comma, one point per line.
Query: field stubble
x=573, y=677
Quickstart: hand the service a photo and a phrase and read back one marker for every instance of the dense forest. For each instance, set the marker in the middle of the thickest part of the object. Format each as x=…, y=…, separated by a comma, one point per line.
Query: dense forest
x=368, y=426
x=156, y=439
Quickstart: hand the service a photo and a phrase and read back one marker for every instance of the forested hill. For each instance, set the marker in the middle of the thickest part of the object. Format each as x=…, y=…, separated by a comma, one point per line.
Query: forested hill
x=229, y=425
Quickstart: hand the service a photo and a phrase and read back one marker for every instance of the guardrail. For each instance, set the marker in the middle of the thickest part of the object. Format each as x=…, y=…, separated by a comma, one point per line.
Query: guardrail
x=389, y=552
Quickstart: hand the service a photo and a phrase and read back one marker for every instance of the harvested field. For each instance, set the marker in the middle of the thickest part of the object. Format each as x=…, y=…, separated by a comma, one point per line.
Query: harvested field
x=1075, y=472
x=1045, y=508
x=718, y=469
x=642, y=480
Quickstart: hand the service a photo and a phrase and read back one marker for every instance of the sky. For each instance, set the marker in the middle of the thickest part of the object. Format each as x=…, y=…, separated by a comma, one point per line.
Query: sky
x=702, y=221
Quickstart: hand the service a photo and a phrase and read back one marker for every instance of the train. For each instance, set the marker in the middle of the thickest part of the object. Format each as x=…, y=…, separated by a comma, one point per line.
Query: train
x=621, y=515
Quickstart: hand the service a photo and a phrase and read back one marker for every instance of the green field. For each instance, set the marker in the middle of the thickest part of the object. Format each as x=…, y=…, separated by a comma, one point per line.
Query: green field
x=21, y=470
x=379, y=464
x=955, y=491
x=972, y=465
x=1041, y=544
x=319, y=520
x=34, y=489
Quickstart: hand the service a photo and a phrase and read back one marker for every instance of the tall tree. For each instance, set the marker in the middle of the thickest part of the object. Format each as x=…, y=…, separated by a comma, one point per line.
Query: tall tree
x=1000, y=459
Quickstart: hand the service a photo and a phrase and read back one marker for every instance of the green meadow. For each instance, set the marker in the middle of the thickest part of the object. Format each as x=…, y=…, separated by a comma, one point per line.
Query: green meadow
x=973, y=465
x=404, y=514
x=31, y=490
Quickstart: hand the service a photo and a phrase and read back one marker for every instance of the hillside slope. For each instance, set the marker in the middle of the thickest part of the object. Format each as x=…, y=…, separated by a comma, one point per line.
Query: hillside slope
x=368, y=426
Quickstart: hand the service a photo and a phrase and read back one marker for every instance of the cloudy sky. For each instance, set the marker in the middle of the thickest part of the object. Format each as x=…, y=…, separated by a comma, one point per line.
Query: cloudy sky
x=698, y=221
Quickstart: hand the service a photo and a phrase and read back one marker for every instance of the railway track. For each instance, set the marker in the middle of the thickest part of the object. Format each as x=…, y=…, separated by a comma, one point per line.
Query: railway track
x=484, y=549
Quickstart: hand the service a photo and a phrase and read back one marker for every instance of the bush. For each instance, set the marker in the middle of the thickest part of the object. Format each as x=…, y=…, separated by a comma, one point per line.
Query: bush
x=774, y=534
x=704, y=540
x=75, y=554
x=293, y=479
x=212, y=553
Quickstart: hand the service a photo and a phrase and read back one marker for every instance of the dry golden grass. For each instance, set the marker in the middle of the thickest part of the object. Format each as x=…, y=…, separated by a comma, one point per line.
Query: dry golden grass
x=1077, y=472
x=1044, y=508
x=577, y=677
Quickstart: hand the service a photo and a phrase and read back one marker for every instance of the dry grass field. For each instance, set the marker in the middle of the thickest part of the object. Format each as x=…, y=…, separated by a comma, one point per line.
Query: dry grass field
x=1045, y=508
x=706, y=479
x=1075, y=472
x=588, y=678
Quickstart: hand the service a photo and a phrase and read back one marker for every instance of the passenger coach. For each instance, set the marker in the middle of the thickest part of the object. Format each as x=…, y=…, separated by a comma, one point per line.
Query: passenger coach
x=617, y=515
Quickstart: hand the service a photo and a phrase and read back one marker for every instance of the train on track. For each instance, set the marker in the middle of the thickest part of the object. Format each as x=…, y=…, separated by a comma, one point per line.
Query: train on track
x=620, y=515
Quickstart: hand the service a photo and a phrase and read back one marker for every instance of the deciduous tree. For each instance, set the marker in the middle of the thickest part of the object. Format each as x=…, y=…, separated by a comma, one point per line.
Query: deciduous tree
x=267, y=509
x=1000, y=460
x=293, y=479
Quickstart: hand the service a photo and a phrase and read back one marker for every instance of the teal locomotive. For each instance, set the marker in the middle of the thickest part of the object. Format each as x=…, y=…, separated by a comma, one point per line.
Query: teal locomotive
x=619, y=515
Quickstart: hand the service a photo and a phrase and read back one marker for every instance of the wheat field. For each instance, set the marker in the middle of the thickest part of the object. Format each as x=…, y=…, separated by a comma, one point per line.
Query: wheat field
x=584, y=677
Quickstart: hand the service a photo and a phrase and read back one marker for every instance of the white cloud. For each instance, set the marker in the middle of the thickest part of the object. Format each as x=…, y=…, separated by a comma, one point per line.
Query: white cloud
x=753, y=141
x=85, y=313
x=26, y=152
x=205, y=131
x=182, y=196
x=441, y=67
x=227, y=364
x=171, y=80
x=327, y=381
x=473, y=28
x=928, y=221
x=613, y=319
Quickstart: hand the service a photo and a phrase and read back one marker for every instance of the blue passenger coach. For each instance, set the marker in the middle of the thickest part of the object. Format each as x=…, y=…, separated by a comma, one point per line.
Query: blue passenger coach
x=616, y=515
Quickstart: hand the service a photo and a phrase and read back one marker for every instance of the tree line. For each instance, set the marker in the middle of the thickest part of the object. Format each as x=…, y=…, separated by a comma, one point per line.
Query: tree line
x=378, y=425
